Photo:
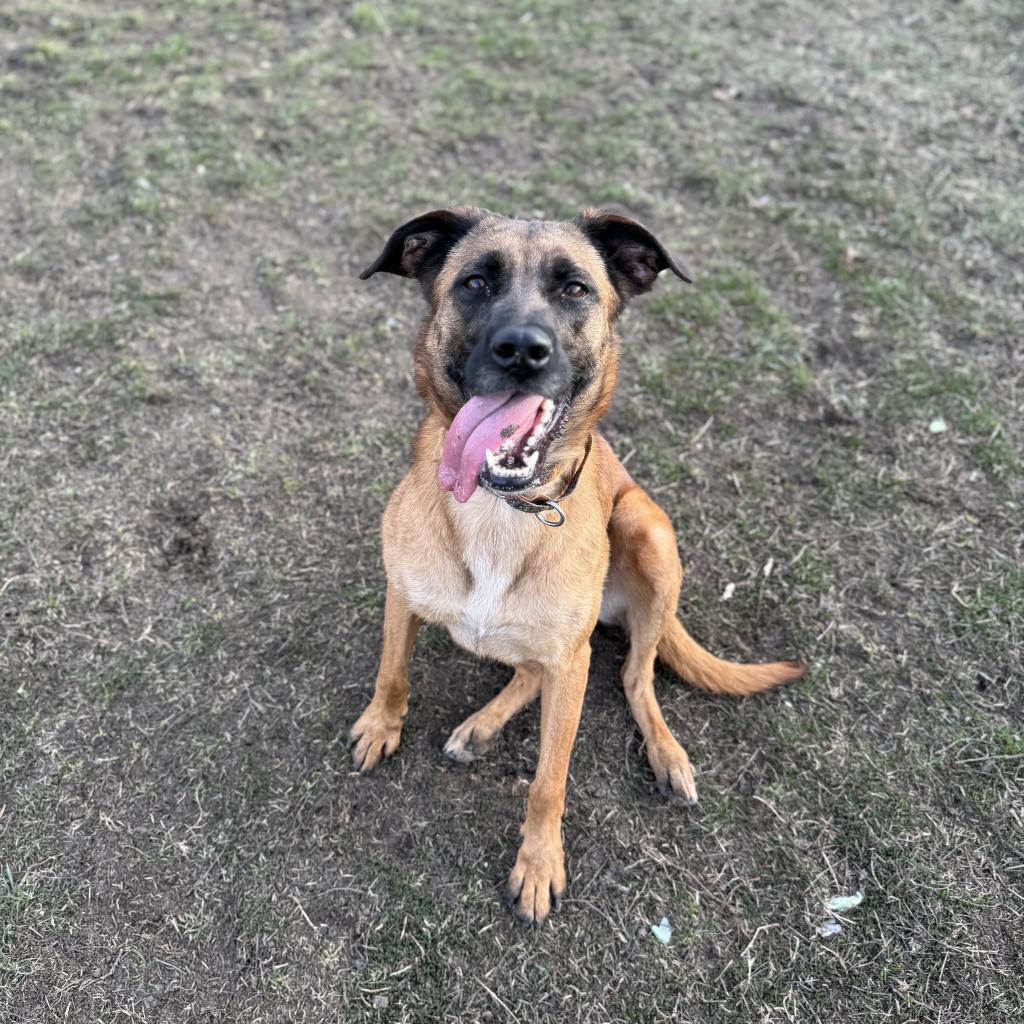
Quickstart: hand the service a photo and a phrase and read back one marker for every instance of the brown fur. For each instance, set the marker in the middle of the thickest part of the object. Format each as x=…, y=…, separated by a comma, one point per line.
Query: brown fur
x=509, y=588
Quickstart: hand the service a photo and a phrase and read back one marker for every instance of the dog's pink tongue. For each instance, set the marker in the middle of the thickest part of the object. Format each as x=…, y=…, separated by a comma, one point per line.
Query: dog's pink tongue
x=487, y=421
x=469, y=417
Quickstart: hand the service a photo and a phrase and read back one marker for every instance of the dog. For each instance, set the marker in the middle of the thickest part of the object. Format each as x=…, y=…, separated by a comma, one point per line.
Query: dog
x=517, y=528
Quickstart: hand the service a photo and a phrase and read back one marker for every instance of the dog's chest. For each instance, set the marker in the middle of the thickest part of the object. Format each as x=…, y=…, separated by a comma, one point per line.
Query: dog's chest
x=484, y=591
x=487, y=613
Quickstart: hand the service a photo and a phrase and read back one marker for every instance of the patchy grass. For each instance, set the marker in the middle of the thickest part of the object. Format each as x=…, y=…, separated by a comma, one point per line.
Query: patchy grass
x=933, y=392
x=202, y=412
x=16, y=894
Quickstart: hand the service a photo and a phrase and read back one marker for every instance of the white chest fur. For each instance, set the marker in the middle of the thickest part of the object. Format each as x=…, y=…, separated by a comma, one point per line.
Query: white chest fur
x=473, y=592
x=492, y=553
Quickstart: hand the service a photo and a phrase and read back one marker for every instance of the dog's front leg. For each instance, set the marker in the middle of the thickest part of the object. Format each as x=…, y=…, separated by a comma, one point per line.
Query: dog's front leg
x=537, y=880
x=378, y=731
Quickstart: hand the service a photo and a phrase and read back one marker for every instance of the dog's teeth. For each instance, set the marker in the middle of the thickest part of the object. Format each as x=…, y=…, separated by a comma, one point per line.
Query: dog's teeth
x=497, y=469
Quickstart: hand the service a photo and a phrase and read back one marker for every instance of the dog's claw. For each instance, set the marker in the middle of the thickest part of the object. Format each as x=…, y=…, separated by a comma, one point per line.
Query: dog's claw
x=677, y=796
x=536, y=883
x=673, y=773
x=468, y=742
x=373, y=738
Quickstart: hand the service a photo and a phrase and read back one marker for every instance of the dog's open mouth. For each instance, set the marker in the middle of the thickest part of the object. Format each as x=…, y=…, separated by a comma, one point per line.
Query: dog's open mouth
x=500, y=442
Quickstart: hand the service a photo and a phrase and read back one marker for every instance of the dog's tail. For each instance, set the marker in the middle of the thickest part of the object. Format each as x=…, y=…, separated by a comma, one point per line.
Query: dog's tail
x=686, y=657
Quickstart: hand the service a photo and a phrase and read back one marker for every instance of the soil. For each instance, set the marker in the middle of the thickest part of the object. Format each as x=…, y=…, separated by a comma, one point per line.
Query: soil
x=202, y=412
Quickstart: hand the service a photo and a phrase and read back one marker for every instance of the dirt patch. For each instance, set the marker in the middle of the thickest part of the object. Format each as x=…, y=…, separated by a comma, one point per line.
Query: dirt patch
x=179, y=535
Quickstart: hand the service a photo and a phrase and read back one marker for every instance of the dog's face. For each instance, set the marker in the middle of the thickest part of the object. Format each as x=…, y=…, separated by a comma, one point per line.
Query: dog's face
x=519, y=349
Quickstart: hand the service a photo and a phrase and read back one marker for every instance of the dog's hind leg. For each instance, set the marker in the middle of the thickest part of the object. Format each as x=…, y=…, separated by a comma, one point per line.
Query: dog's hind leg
x=477, y=733
x=644, y=580
x=378, y=731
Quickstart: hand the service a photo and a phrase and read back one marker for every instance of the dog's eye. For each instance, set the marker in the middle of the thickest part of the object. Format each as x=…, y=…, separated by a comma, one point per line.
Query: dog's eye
x=575, y=290
x=475, y=283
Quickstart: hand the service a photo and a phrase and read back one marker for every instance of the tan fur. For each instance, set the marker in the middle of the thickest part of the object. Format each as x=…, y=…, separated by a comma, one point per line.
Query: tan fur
x=509, y=588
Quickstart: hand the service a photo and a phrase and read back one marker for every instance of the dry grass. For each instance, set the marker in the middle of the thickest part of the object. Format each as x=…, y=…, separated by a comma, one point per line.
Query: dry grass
x=202, y=411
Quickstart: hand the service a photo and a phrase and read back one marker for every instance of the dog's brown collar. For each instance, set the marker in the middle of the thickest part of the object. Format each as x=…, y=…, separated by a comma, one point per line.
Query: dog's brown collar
x=539, y=508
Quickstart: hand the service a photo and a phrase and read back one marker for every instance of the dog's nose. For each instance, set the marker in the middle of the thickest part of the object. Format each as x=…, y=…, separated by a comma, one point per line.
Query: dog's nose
x=526, y=348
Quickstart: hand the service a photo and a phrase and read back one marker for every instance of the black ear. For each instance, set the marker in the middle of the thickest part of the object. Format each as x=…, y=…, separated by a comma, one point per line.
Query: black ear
x=420, y=246
x=633, y=255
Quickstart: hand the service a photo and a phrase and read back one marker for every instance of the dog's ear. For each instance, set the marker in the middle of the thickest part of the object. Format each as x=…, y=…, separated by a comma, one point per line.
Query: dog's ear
x=633, y=256
x=420, y=246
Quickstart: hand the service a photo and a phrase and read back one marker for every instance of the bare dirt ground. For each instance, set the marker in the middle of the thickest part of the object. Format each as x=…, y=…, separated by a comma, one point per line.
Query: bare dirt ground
x=202, y=412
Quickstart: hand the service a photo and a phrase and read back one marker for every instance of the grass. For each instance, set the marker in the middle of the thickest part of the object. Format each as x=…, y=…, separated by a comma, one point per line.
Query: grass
x=930, y=390
x=202, y=412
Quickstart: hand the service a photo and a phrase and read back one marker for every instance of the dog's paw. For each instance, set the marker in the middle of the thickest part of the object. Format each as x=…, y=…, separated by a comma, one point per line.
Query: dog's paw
x=672, y=771
x=376, y=735
x=470, y=740
x=537, y=882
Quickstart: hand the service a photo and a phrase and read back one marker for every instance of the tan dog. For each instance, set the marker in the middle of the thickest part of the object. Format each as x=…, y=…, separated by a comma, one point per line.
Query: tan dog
x=517, y=361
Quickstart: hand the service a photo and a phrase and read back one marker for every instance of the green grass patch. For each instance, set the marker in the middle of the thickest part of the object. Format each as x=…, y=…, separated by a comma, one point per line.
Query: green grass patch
x=1011, y=744
x=729, y=333
x=924, y=391
x=407, y=944
x=994, y=611
x=16, y=894
x=56, y=338
x=121, y=679
x=890, y=296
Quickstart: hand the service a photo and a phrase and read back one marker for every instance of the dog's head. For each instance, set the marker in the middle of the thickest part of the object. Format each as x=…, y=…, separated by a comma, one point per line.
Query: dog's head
x=519, y=350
